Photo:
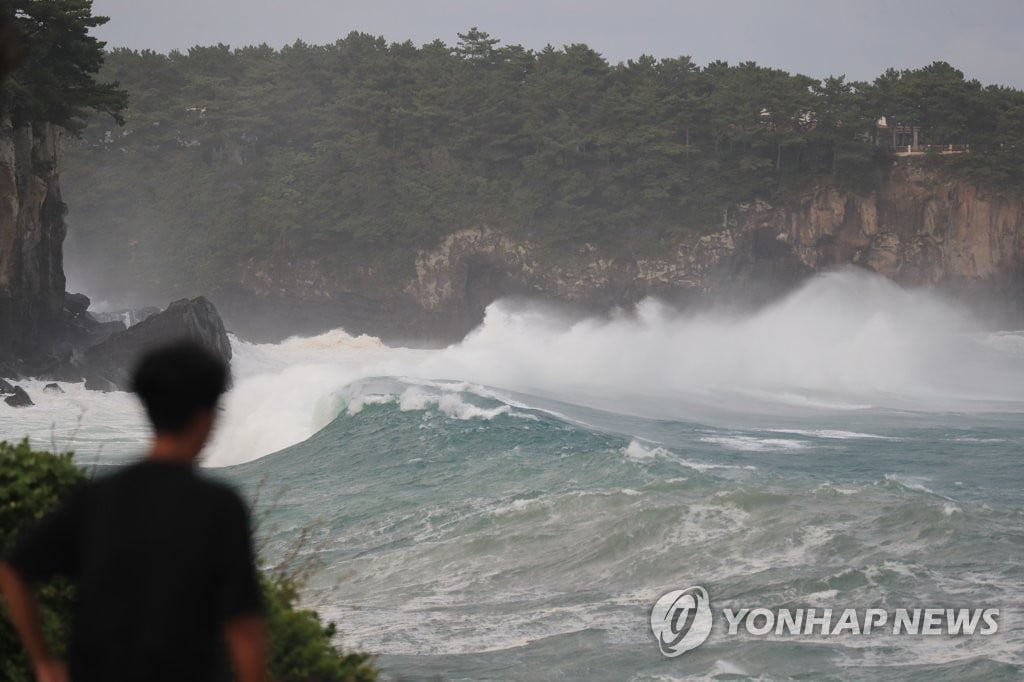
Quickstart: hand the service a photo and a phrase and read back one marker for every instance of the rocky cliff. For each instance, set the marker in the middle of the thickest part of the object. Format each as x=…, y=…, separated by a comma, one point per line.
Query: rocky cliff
x=918, y=228
x=45, y=331
x=31, y=236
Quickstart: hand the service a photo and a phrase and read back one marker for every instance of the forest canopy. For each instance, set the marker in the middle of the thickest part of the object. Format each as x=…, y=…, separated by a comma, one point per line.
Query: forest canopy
x=361, y=144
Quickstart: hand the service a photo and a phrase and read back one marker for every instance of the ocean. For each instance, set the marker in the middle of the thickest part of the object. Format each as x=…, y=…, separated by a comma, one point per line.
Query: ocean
x=511, y=507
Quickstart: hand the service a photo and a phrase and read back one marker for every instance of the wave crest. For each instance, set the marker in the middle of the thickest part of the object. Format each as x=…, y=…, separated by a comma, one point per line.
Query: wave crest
x=845, y=340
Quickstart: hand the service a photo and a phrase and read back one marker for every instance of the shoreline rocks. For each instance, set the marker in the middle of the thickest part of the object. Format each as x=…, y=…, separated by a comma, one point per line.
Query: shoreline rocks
x=103, y=354
x=107, y=366
x=19, y=398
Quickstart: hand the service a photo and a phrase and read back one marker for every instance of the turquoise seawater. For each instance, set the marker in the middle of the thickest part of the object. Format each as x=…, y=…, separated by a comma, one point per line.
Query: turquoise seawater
x=528, y=546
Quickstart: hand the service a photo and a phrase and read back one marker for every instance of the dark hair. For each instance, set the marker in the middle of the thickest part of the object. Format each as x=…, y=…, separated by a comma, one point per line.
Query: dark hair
x=177, y=382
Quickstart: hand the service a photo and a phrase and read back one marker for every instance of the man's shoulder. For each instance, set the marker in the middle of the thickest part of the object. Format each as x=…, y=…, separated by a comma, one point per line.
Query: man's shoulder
x=220, y=491
x=147, y=473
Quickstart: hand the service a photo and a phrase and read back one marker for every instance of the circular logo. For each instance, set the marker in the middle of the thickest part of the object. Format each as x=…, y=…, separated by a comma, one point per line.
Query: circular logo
x=681, y=620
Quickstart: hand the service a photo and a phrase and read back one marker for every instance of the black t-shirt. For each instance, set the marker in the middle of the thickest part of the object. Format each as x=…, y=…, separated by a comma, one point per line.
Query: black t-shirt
x=162, y=558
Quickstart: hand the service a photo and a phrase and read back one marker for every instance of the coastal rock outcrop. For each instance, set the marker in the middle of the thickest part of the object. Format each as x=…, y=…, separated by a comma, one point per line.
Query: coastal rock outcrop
x=76, y=304
x=80, y=328
x=19, y=398
x=107, y=366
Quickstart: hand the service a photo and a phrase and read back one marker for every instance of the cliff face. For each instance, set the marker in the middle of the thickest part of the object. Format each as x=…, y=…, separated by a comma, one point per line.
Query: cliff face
x=917, y=229
x=32, y=232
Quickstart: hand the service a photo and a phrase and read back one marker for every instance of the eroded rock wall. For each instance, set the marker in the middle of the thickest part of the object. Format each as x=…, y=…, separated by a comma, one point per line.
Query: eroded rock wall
x=32, y=232
x=917, y=230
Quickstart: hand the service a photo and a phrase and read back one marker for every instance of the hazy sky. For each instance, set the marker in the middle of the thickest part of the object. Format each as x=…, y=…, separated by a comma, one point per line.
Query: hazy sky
x=857, y=37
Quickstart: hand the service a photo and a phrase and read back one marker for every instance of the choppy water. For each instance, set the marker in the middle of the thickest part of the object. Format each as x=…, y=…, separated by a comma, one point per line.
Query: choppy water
x=512, y=506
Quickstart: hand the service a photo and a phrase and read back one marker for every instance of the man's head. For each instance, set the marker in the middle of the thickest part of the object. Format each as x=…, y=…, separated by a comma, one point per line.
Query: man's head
x=179, y=385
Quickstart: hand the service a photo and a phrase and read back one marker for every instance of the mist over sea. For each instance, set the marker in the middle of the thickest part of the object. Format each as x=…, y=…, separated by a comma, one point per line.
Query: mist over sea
x=511, y=506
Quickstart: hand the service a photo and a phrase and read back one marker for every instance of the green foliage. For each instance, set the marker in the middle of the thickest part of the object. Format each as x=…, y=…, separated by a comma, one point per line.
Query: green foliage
x=997, y=142
x=341, y=152
x=33, y=482
x=301, y=647
x=56, y=83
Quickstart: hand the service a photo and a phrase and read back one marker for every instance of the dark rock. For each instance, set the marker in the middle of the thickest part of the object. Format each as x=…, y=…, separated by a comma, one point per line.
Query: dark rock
x=52, y=388
x=79, y=332
x=129, y=317
x=19, y=399
x=108, y=365
x=95, y=382
x=67, y=368
x=101, y=331
x=32, y=232
x=76, y=304
x=5, y=388
x=12, y=369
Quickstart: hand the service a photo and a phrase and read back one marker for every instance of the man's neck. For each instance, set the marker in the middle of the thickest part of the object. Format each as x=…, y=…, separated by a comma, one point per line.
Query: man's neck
x=170, y=449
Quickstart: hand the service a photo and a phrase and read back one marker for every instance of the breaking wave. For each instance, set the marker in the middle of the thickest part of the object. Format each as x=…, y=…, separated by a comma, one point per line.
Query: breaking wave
x=846, y=340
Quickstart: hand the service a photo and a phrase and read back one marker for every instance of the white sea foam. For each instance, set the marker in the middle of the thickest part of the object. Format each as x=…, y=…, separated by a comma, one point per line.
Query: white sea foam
x=833, y=434
x=754, y=444
x=949, y=509
x=97, y=426
x=334, y=340
x=911, y=482
x=970, y=439
x=450, y=404
x=728, y=668
x=918, y=483
x=447, y=401
x=356, y=404
x=838, y=489
x=1005, y=341
x=642, y=452
x=823, y=598
x=803, y=400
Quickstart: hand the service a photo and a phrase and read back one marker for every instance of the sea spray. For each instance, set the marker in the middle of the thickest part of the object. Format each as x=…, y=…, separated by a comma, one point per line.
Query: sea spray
x=846, y=340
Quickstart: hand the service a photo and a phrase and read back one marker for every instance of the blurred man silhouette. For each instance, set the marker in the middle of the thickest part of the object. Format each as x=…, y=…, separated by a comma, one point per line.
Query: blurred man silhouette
x=161, y=557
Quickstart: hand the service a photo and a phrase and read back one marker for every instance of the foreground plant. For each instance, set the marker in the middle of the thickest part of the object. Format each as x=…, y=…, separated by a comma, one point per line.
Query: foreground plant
x=33, y=482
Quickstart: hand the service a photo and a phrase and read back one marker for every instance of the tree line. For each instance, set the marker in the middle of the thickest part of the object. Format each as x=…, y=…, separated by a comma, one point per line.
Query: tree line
x=359, y=145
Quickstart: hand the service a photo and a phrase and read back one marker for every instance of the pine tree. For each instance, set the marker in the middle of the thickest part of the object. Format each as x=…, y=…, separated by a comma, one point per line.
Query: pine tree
x=57, y=82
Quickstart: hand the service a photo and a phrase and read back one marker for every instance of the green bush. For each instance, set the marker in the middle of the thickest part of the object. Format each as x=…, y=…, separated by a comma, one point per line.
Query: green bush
x=33, y=482
x=300, y=645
